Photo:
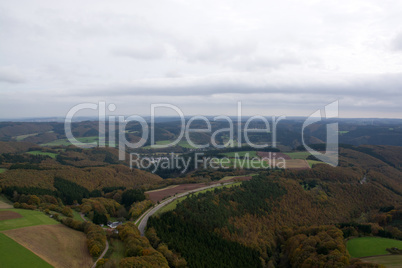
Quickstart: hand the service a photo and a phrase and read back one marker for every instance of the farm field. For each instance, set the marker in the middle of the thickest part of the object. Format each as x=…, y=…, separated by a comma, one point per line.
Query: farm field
x=185, y=144
x=22, y=137
x=172, y=205
x=29, y=218
x=371, y=246
x=237, y=177
x=2, y=170
x=164, y=142
x=4, y=203
x=391, y=261
x=58, y=245
x=241, y=154
x=66, y=142
x=298, y=155
x=246, y=163
x=8, y=215
x=297, y=164
x=13, y=255
x=272, y=155
x=160, y=194
x=157, y=190
x=313, y=162
x=52, y=155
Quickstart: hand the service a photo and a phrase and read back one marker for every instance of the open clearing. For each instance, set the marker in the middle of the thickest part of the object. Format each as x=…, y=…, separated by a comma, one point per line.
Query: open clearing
x=2, y=170
x=56, y=244
x=13, y=255
x=245, y=177
x=371, y=246
x=65, y=142
x=313, y=162
x=29, y=218
x=117, y=248
x=241, y=154
x=22, y=137
x=157, y=190
x=273, y=155
x=8, y=215
x=298, y=155
x=52, y=155
x=391, y=261
x=297, y=164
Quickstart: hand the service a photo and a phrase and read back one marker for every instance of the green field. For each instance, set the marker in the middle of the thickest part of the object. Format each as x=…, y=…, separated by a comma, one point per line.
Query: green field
x=52, y=155
x=244, y=163
x=29, y=218
x=391, y=261
x=185, y=144
x=172, y=205
x=22, y=137
x=164, y=142
x=312, y=162
x=66, y=142
x=298, y=155
x=13, y=255
x=2, y=170
x=61, y=142
x=251, y=154
x=239, y=176
x=118, y=249
x=77, y=216
x=371, y=246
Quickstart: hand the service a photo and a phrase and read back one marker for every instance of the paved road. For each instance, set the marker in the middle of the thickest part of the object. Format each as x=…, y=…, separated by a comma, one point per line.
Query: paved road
x=144, y=217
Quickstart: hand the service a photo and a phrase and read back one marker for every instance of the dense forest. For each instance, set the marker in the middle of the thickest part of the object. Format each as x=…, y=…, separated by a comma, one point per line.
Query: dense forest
x=289, y=218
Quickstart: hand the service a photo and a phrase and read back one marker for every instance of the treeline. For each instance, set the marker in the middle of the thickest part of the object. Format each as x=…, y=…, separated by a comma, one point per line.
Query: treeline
x=70, y=191
x=316, y=246
x=93, y=178
x=174, y=259
x=138, y=250
x=45, y=203
x=100, y=209
x=96, y=237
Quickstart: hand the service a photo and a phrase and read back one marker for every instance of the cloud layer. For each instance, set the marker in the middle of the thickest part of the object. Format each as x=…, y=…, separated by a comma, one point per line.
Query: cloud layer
x=277, y=58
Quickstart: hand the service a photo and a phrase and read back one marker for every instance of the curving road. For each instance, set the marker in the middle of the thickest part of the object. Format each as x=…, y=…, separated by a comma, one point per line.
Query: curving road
x=144, y=217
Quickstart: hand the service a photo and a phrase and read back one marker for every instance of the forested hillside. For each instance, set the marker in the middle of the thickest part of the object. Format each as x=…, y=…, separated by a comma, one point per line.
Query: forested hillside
x=287, y=218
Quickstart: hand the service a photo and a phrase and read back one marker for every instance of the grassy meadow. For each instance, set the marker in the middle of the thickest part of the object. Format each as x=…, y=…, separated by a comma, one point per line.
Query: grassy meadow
x=13, y=255
x=371, y=246
x=52, y=155
x=29, y=218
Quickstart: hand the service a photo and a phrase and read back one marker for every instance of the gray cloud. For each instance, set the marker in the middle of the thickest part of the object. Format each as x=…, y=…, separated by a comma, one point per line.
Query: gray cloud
x=397, y=42
x=204, y=55
x=356, y=86
x=143, y=52
x=10, y=75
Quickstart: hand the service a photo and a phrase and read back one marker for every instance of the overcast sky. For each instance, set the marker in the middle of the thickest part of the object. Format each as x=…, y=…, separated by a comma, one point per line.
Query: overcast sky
x=277, y=57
